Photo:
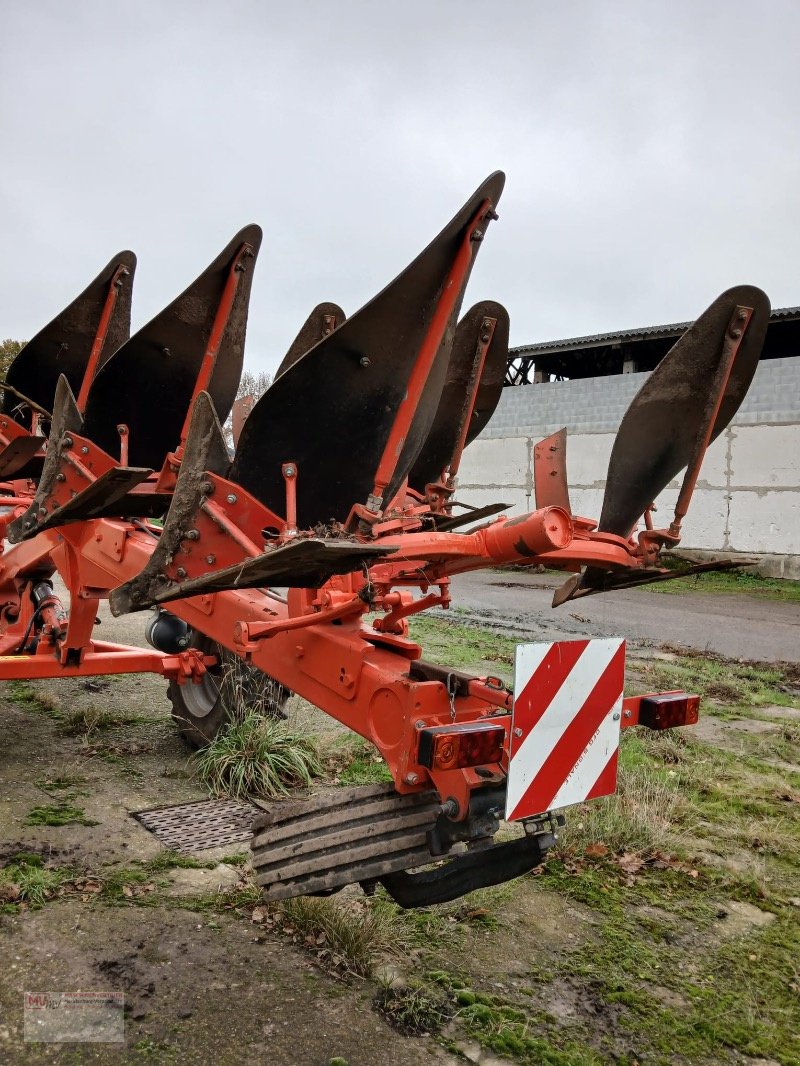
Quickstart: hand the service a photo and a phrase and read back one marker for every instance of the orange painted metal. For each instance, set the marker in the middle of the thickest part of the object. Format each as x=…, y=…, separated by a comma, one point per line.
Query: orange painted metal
x=100, y=336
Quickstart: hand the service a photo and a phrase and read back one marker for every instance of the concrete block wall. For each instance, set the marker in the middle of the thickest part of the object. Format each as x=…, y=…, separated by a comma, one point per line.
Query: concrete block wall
x=748, y=496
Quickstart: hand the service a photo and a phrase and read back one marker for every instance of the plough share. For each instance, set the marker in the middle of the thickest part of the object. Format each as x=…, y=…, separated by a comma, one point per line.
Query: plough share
x=306, y=552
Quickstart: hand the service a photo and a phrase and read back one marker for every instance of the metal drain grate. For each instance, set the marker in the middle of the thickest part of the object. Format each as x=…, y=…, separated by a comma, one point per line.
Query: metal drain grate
x=196, y=826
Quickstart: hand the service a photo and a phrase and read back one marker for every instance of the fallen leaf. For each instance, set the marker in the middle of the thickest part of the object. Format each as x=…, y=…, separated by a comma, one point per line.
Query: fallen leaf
x=596, y=851
x=258, y=914
x=630, y=863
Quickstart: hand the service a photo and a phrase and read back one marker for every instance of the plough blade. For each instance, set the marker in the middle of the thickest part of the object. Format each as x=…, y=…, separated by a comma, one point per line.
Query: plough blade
x=64, y=346
x=332, y=412
x=322, y=321
x=149, y=383
x=470, y=374
x=610, y=581
x=659, y=431
x=17, y=458
x=306, y=563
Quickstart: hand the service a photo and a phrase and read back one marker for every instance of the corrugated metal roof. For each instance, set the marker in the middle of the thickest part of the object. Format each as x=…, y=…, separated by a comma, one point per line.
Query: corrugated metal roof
x=672, y=330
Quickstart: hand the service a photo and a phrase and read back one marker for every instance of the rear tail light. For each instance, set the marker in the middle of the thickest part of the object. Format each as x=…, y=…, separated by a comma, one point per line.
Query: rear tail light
x=451, y=747
x=668, y=710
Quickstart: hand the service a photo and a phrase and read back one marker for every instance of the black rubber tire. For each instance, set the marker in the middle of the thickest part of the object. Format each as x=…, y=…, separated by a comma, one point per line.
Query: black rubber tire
x=201, y=710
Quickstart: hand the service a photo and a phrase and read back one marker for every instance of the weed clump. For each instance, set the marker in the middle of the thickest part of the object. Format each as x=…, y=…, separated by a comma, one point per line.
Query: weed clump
x=413, y=1009
x=258, y=756
x=350, y=935
x=27, y=880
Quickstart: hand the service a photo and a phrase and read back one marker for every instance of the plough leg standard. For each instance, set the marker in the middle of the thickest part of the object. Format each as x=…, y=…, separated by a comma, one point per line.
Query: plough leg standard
x=341, y=493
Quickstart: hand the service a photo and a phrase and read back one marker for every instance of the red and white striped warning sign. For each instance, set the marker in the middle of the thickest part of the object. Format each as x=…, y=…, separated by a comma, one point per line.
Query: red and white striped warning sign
x=565, y=724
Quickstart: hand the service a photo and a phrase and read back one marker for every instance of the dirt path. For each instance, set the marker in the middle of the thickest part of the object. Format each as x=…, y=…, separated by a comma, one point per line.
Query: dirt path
x=735, y=626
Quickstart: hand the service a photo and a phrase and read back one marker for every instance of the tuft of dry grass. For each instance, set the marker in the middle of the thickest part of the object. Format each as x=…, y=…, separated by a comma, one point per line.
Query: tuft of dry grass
x=354, y=933
x=643, y=813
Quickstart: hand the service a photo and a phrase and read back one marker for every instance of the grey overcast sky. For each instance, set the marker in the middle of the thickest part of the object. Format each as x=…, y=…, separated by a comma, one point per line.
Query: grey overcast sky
x=651, y=152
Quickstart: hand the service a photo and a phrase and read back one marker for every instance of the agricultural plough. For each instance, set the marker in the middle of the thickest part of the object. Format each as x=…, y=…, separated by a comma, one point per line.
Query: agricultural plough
x=336, y=519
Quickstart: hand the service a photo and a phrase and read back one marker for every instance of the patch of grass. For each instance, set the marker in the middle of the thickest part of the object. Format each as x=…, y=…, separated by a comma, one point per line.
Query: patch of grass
x=747, y=582
x=459, y=645
x=738, y=994
x=726, y=680
x=352, y=760
x=58, y=814
x=127, y=885
x=241, y=858
x=175, y=860
x=25, y=695
x=27, y=880
x=257, y=756
x=83, y=721
x=60, y=779
x=521, y=1032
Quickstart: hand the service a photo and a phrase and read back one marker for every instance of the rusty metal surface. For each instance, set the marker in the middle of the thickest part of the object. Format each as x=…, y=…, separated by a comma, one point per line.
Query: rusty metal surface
x=149, y=382
x=65, y=344
x=322, y=321
x=659, y=430
x=333, y=410
x=197, y=826
x=550, y=472
x=204, y=451
x=100, y=497
x=66, y=419
x=17, y=458
x=455, y=404
x=340, y=837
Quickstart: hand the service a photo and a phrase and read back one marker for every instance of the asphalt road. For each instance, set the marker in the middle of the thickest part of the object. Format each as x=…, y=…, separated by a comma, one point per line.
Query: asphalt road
x=738, y=626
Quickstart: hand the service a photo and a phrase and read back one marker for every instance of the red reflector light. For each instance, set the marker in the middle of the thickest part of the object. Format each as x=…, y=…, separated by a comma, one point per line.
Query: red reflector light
x=669, y=710
x=450, y=747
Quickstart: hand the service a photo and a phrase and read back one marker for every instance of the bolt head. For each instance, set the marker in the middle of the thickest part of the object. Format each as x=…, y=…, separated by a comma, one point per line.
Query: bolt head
x=231, y=497
x=616, y=716
x=211, y=559
x=180, y=573
x=364, y=361
x=411, y=779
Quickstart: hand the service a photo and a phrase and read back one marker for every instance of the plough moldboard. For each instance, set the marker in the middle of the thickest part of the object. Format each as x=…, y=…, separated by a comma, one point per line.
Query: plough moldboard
x=342, y=493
